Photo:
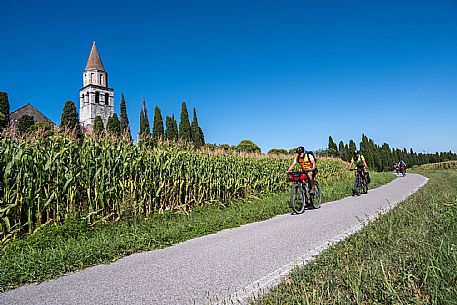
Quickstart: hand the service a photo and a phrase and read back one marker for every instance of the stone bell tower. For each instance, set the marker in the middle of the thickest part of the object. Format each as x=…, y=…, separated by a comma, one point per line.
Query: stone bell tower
x=95, y=97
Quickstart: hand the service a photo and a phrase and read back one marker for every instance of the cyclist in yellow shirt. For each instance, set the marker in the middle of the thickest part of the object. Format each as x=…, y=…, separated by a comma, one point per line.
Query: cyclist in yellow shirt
x=359, y=160
x=307, y=163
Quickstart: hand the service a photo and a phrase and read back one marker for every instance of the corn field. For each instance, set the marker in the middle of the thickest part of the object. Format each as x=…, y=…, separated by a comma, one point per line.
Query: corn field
x=440, y=165
x=49, y=180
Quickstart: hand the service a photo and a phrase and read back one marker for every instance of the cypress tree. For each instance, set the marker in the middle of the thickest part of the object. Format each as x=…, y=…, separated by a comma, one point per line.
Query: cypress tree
x=168, y=128
x=171, y=132
x=125, y=126
x=157, y=129
x=341, y=150
x=175, y=128
x=347, y=154
x=24, y=123
x=372, y=149
x=352, y=147
x=98, y=125
x=184, y=125
x=377, y=159
x=4, y=111
x=332, y=148
x=196, y=132
x=202, y=136
x=113, y=126
x=145, y=130
x=365, y=148
x=69, y=120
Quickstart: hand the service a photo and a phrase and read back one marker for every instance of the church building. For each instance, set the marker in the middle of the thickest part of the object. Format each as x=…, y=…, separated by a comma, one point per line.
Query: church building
x=95, y=97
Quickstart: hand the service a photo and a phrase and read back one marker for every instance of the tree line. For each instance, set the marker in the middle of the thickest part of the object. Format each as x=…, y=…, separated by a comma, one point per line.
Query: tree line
x=383, y=157
x=189, y=132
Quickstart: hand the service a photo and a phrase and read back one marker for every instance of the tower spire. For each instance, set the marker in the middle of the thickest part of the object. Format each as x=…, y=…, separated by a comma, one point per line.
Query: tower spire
x=94, y=62
x=96, y=98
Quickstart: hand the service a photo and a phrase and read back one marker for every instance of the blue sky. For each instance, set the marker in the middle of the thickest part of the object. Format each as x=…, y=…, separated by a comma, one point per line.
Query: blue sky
x=281, y=73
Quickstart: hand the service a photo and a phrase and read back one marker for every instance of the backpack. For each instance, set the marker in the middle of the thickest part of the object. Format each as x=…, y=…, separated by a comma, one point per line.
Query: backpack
x=312, y=154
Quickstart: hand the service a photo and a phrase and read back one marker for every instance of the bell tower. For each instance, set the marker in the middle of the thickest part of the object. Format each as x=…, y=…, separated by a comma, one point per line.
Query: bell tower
x=95, y=97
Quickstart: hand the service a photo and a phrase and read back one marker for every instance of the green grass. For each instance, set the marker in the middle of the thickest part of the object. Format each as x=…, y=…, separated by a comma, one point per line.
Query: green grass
x=56, y=250
x=408, y=256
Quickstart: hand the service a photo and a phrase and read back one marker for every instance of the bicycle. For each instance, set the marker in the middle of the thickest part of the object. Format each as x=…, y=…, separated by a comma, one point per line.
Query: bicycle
x=403, y=170
x=360, y=186
x=300, y=196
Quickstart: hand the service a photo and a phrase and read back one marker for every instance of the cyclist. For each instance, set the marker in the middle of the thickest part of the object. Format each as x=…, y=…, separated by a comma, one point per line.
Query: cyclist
x=307, y=163
x=396, y=168
x=359, y=160
x=401, y=165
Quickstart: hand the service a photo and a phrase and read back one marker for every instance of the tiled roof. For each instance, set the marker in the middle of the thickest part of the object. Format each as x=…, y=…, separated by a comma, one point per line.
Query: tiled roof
x=94, y=62
x=28, y=109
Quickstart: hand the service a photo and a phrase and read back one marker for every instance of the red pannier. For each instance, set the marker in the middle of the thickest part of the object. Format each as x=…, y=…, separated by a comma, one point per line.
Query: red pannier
x=297, y=177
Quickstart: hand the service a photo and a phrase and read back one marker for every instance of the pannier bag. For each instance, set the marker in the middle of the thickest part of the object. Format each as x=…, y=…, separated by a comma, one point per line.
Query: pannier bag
x=297, y=177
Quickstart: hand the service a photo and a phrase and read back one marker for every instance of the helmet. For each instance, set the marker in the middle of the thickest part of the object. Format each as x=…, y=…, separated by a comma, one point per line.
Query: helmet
x=300, y=149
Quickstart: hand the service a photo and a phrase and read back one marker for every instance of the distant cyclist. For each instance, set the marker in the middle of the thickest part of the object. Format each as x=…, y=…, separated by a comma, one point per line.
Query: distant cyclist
x=396, y=167
x=307, y=163
x=402, y=167
x=359, y=161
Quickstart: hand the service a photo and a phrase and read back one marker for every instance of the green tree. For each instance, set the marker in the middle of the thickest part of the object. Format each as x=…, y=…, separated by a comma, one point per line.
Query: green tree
x=184, y=131
x=225, y=147
x=168, y=128
x=210, y=146
x=157, y=129
x=125, y=126
x=278, y=151
x=69, y=120
x=248, y=146
x=341, y=150
x=367, y=150
x=24, y=123
x=175, y=127
x=98, y=125
x=347, y=154
x=170, y=131
x=196, y=132
x=4, y=111
x=43, y=128
x=332, y=148
x=202, y=136
x=113, y=126
x=145, y=130
x=352, y=148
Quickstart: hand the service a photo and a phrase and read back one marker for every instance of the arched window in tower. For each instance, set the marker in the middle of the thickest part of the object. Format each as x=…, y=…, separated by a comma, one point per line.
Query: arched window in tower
x=101, y=79
x=92, y=78
x=106, y=98
x=97, y=97
x=83, y=98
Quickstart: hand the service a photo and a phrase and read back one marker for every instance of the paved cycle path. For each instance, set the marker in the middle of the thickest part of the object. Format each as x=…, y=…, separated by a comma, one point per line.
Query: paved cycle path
x=228, y=266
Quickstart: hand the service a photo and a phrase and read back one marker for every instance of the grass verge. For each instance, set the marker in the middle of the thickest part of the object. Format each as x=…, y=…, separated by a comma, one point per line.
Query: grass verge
x=408, y=256
x=57, y=250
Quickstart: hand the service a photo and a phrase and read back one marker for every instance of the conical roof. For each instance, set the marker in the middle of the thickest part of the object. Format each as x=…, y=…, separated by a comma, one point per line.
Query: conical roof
x=94, y=62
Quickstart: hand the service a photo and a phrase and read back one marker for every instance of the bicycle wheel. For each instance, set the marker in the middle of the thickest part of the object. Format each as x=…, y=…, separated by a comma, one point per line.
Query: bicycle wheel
x=317, y=197
x=365, y=188
x=357, y=185
x=297, y=198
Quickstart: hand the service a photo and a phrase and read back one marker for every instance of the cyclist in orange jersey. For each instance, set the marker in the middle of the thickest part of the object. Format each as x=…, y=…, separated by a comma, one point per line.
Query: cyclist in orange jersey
x=307, y=163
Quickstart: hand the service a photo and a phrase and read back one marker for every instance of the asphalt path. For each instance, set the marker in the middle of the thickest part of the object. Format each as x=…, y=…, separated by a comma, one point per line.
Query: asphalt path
x=226, y=267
